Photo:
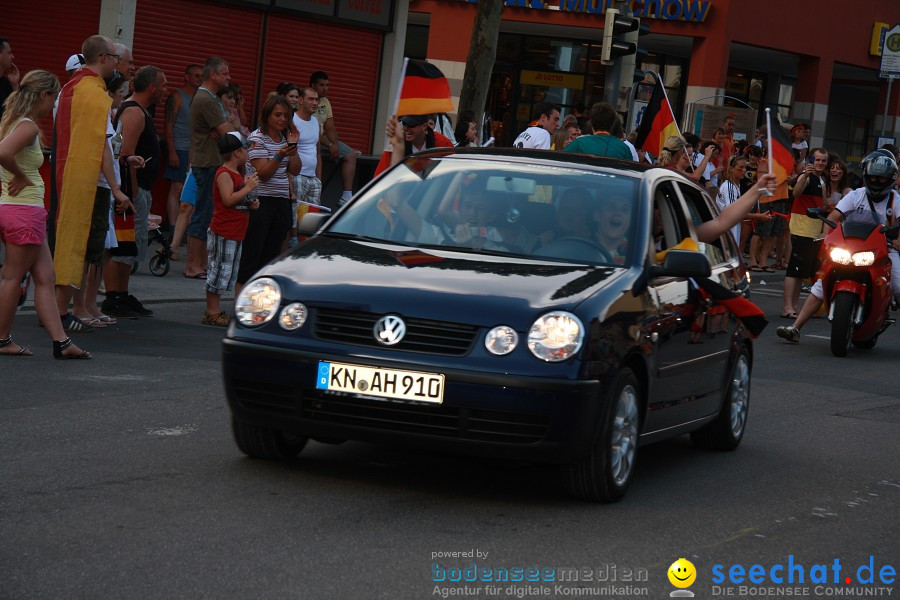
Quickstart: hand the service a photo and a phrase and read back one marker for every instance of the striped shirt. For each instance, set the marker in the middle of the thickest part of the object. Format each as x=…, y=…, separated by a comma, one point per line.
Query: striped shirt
x=262, y=146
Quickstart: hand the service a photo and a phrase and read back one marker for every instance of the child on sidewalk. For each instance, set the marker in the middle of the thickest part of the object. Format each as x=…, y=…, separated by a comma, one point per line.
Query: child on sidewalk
x=228, y=225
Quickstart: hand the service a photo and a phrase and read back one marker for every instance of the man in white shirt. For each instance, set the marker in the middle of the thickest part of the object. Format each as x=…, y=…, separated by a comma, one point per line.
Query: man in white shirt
x=544, y=122
x=309, y=187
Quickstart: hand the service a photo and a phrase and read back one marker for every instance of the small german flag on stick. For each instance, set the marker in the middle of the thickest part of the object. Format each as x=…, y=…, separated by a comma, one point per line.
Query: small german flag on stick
x=424, y=90
x=781, y=157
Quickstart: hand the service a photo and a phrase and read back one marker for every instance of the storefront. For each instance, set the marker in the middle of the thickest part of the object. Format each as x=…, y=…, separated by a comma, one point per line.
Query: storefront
x=810, y=68
x=265, y=41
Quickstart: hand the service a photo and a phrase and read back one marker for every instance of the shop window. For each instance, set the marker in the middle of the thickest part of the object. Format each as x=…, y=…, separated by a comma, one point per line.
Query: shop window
x=416, y=46
x=785, y=100
x=554, y=55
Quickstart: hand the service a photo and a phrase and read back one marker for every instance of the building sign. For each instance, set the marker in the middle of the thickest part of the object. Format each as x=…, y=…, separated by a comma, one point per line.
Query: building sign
x=319, y=7
x=365, y=13
x=694, y=11
x=377, y=12
x=550, y=79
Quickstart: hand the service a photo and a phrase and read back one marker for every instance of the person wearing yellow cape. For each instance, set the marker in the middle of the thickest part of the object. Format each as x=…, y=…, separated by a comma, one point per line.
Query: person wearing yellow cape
x=79, y=213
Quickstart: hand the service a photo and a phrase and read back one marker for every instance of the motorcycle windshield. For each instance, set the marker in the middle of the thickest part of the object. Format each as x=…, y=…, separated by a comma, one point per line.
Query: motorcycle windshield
x=858, y=230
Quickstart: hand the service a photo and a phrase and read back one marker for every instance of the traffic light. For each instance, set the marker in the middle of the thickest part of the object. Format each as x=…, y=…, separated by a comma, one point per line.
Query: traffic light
x=615, y=25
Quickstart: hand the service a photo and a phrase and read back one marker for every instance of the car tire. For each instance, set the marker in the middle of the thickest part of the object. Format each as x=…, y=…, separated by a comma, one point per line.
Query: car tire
x=727, y=430
x=265, y=443
x=605, y=473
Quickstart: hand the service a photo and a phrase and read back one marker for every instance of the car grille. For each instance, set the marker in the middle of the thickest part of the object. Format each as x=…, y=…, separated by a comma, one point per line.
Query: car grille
x=442, y=421
x=422, y=335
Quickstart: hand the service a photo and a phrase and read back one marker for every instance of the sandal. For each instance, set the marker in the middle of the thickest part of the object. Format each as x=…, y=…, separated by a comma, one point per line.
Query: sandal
x=755, y=268
x=106, y=319
x=60, y=347
x=72, y=323
x=23, y=351
x=91, y=321
x=768, y=269
x=217, y=320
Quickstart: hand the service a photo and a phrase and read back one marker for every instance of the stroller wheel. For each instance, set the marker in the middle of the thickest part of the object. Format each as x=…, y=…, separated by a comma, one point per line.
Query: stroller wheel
x=159, y=265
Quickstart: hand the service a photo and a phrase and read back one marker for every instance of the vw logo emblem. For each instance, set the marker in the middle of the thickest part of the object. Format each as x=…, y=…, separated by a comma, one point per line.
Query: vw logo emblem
x=390, y=330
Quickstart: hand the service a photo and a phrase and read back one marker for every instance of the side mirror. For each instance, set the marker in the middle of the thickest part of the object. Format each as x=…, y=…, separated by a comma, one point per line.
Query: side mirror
x=892, y=232
x=683, y=263
x=311, y=223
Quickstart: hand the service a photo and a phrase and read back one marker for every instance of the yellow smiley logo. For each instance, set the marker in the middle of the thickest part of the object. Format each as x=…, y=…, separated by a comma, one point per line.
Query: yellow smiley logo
x=682, y=573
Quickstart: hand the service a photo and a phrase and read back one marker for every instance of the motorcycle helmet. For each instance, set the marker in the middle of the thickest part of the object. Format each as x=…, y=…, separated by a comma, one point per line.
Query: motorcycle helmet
x=879, y=163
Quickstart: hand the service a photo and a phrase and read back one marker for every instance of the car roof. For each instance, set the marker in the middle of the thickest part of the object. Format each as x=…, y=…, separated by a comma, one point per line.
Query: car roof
x=545, y=157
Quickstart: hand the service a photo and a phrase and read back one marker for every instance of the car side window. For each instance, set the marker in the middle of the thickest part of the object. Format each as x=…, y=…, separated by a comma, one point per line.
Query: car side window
x=669, y=224
x=700, y=212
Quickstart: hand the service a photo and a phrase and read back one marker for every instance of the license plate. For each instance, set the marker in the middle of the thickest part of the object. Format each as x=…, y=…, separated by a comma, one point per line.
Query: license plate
x=384, y=383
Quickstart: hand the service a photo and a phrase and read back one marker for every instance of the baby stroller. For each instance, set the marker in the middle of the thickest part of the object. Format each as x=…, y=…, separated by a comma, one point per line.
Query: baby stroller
x=159, y=261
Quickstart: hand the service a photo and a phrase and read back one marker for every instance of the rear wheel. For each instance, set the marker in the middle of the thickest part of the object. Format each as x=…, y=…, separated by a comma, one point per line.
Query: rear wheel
x=262, y=442
x=727, y=430
x=159, y=265
x=845, y=305
x=867, y=344
x=604, y=474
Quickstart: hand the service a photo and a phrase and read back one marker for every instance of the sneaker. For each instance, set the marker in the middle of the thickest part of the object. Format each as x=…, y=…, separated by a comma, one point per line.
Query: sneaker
x=789, y=333
x=116, y=307
x=72, y=323
x=135, y=305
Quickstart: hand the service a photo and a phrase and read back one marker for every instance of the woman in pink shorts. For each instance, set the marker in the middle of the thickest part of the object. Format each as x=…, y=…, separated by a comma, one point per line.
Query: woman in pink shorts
x=23, y=220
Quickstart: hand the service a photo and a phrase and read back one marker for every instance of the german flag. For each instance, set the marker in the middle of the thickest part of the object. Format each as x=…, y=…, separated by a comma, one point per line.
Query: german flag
x=781, y=155
x=425, y=90
x=658, y=122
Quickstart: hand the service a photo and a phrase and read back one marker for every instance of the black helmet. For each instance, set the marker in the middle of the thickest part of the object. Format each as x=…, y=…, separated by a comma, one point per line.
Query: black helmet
x=880, y=163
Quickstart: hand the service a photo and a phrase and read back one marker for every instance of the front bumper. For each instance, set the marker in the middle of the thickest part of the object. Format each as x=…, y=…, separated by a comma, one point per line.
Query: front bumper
x=482, y=414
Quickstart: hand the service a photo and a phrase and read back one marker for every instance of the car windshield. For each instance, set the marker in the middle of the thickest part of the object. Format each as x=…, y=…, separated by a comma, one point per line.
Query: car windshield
x=538, y=211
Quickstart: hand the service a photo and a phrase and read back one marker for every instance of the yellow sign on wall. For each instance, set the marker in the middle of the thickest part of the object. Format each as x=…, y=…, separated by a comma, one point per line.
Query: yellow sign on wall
x=549, y=79
x=878, y=31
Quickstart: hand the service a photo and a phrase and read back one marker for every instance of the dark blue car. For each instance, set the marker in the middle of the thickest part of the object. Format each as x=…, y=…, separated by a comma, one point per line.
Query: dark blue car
x=529, y=305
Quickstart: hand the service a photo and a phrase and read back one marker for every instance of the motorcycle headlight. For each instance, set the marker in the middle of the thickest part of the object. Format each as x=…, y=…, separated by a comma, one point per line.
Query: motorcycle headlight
x=501, y=340
x=840, y=255
x=293, y=316
x=556, y=336
x=257, y=302
x=863, y=259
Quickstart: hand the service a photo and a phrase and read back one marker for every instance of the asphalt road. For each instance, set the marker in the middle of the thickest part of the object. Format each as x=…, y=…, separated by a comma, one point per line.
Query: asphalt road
x=119, y=479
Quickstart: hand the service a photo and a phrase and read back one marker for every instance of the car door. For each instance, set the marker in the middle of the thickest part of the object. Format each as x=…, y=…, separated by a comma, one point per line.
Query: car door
x=689, y=345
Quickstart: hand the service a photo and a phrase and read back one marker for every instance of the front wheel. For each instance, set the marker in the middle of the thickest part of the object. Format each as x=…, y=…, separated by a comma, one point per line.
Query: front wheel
x=845, y=304
x=159, y=265
x=262, y=442
x=727, y=430
x=604, y=474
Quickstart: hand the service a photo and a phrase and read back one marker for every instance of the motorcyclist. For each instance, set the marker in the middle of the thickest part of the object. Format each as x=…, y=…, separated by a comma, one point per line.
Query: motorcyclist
x=876, y=199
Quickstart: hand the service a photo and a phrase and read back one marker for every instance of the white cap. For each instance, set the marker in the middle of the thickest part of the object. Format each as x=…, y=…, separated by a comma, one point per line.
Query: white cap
x=75, y=62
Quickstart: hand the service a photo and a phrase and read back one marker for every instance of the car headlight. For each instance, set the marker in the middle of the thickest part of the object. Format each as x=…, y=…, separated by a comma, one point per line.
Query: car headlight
x=556, y=336
x=840, y=255
x=258, y=302
x=501, y=340
x=293, y=316
x=863, y=259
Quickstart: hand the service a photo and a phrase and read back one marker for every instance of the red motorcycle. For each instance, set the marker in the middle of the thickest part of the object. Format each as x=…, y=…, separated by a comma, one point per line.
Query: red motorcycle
x=856, y=277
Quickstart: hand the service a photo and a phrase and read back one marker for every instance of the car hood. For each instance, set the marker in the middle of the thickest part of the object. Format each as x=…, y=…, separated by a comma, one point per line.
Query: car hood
x=476, y=288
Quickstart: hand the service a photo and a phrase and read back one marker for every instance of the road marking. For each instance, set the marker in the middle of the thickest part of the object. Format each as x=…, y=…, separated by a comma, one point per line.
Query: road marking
x=821, y=337
x=177, y=430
